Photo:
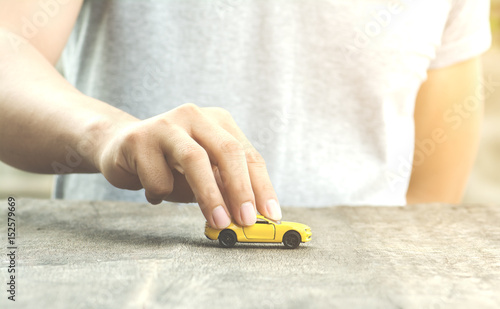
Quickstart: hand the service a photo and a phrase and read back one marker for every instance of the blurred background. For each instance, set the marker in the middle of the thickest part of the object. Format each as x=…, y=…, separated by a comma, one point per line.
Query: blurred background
x=484, y=182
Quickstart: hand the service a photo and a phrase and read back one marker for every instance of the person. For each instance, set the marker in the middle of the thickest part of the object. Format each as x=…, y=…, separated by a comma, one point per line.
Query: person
x=353, y=103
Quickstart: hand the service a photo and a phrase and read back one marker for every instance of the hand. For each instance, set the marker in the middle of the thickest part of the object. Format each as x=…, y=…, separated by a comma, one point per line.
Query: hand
x=191, y=153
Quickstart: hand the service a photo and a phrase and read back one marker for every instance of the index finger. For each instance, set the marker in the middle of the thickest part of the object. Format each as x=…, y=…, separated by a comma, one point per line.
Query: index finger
x=187, y=156
x=265, y=195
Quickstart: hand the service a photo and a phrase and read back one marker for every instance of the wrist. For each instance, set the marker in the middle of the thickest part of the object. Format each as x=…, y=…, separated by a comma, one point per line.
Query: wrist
x=99, y=132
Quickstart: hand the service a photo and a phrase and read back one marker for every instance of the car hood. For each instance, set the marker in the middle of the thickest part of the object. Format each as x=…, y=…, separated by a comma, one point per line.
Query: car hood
x=294, y=225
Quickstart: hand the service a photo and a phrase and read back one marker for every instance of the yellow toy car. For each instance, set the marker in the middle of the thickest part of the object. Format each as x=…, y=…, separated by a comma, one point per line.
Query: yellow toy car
x=264, y=230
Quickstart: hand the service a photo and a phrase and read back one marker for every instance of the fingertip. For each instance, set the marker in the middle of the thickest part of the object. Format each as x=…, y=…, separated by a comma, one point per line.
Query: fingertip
x=152, y=198
x=273, y=209
x=220, y=218
x=153, y=201
x=248, y=214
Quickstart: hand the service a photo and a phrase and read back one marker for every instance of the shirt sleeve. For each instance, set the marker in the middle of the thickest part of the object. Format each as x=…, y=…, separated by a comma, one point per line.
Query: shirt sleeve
x=466, y=34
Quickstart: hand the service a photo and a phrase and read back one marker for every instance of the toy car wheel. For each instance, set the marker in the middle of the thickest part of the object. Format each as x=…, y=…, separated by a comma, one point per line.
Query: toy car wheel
x=291, y=239
x=227, y=238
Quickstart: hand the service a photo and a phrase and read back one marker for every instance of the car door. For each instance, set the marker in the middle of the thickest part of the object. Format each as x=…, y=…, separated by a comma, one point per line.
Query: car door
x=261, y=230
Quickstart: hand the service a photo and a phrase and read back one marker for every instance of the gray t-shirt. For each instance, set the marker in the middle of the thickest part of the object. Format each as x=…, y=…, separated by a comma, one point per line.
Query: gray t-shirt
x=325, y=90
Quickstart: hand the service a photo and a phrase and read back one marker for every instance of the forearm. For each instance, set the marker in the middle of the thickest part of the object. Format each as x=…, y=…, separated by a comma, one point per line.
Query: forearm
x=448, y=115
x=45, y=123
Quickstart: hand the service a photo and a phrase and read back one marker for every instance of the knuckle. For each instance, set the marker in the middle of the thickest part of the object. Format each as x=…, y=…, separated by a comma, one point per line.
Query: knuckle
x=233, y=147
x=254, y=157
x=135, y=137
x=220, y=114
x=189, y=109
x=210, y=193
x=163, y=122
x=134, y=141
x=192, y=153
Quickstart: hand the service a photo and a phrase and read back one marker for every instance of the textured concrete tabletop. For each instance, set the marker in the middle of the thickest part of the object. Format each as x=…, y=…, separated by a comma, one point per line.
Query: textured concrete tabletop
x=126, y=255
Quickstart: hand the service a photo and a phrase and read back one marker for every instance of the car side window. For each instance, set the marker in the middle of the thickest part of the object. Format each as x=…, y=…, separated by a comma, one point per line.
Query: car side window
x=261, y=221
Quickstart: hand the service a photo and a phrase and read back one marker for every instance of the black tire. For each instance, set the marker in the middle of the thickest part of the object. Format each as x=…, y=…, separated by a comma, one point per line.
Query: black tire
x=291, y=239
x=227, y=238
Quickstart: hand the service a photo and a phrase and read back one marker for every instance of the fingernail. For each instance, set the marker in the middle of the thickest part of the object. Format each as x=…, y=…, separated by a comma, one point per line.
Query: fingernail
x=248, y=215
x=220, y=217
x=273, y=209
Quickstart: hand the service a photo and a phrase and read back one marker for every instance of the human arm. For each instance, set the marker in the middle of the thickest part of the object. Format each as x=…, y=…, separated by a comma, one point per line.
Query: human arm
x=184, y=153
x=448, y=115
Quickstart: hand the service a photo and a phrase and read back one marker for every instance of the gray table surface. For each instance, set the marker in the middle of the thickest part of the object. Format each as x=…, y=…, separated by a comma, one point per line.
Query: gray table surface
x=128, y=255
